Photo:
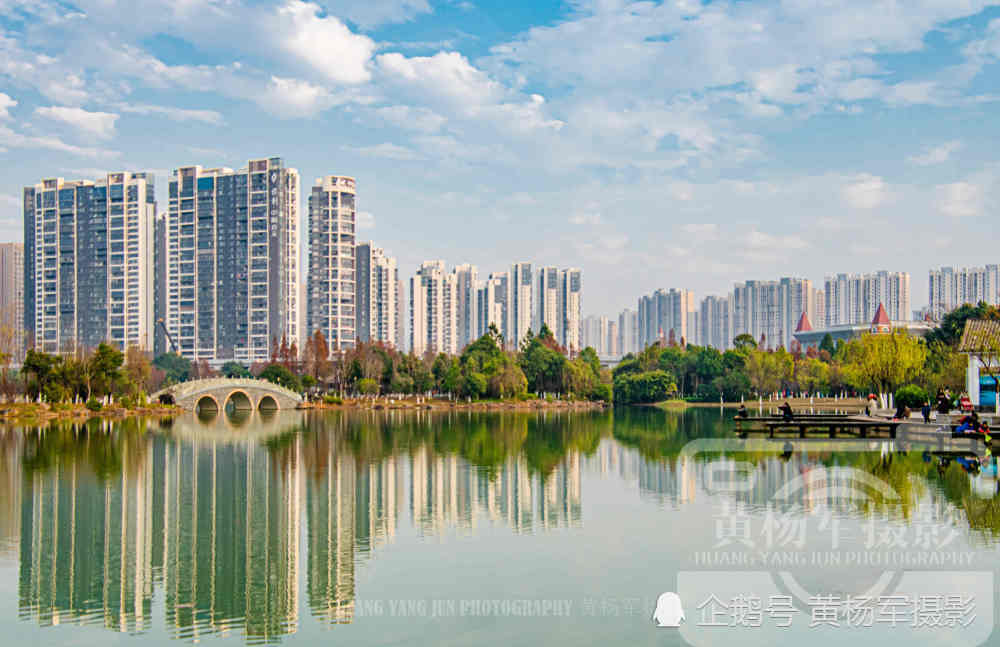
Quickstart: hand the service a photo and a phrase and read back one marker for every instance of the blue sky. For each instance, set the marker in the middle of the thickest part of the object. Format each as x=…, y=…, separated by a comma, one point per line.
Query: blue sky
x=677, y=144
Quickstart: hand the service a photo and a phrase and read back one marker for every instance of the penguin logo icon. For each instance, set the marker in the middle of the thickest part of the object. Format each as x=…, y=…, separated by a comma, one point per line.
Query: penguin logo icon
x=669, y=612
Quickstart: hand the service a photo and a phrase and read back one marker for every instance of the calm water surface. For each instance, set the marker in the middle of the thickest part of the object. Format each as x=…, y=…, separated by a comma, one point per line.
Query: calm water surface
x=462, y=529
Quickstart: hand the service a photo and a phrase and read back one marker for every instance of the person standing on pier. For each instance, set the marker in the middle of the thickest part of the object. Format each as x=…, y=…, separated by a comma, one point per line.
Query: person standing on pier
x=925, y=411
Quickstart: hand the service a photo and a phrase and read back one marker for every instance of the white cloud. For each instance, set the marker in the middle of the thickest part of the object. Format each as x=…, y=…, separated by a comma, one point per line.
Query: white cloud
x=288, y=98
x=865, y=191
x=606, y=249
x=387, y=150
x=6, y=103
x=11, y=139
x=412, y=118
x=935, y=154
x=323, y=42
x=96, y=124
x=174, y=114
x=960, y=199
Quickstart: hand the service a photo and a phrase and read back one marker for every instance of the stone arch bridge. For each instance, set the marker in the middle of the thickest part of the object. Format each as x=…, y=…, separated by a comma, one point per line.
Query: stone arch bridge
x=219, y=392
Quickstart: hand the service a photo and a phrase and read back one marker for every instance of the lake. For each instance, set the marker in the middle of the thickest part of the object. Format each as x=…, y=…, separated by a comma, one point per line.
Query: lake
x=389, y=528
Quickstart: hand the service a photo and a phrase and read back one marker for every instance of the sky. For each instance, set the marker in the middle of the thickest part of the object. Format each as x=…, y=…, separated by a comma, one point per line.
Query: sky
x=678, y=144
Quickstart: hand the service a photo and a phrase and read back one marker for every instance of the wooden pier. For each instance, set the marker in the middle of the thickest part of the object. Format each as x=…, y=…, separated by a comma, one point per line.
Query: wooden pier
x=849, y=426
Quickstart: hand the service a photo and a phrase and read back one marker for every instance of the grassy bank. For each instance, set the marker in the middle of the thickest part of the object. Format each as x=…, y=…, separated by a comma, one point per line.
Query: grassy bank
x=424, y=404
x=30, y=413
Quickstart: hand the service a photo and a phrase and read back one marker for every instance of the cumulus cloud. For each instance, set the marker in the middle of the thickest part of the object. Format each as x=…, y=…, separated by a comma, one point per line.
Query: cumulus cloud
x=865, y=192
x=935, y=154
x=96, y=124
x=323, y=41
x=960, y=199
x=6, y=103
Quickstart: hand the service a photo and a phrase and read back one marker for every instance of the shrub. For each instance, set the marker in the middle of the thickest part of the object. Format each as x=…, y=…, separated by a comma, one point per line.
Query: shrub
x=368, y=386
x=127, y=401
x=94, y=404
x=911, y=396
x=601, y=393
x=54, y=393
x=329, y=398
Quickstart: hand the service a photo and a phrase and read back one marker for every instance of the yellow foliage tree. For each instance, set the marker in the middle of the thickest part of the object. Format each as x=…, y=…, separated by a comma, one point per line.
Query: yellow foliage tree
x=884, y=362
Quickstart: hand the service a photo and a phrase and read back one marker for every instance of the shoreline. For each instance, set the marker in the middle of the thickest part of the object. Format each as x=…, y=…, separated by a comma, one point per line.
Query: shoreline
x=412, y=404
x=796, y=404
x=30, y=413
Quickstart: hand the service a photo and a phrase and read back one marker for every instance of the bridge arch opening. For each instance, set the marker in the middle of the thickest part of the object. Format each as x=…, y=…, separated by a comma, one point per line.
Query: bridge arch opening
x=239, y=401
x=207, y=406
x=267, y=403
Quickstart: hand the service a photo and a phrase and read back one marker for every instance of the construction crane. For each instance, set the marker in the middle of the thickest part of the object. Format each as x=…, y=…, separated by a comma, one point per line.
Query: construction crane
x=166, y=332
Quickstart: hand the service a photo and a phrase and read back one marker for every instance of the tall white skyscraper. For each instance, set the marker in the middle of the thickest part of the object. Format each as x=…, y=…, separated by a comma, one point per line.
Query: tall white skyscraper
x=432, y=310
x=628, y=331
x=949, y=288
x=332, y=291
x=520, y=303
x=88, y=262
x=854, y=298
x=466, y=307
x=770, y=310
x=491, y=304
x=664, y=313
x=595, y=334
x=715, y=323
x=12, y=300
x=376, y=295
x=547, y=301
x=568, y=307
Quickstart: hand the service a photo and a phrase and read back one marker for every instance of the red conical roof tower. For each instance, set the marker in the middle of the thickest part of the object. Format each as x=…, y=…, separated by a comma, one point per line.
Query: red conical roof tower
x=881, y=323
x=804, y=324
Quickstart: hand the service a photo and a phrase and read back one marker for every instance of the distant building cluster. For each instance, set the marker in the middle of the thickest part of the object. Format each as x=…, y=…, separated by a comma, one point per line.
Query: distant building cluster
x=450, y=309
x=218, y=275
x=787, y=311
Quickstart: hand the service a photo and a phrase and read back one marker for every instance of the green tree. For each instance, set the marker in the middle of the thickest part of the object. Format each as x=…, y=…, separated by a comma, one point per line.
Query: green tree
x=953, y=324
x=105, y=369
x=280, y=374
x=176, y=367
x=826, y=344
x=235, y=370
x=744, y=343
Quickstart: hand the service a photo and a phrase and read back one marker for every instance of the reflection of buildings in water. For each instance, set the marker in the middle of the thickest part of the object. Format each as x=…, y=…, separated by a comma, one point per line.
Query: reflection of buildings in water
x=11, y=444
x=560, y=505
x=86, y=544
x=446, y=491
x=230, y=538
x=350, y=506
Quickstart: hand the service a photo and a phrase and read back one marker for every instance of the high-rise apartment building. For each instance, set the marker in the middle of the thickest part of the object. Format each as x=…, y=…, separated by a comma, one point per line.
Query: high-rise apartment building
x=432, y=310
x=568, y=307
x=664, y=314
x=595, y=334
x=331, y=301
x=376, y=296
x=770, y=310
x=466, y=294
x=715, y=323
x=949, y=288
x=854, y=298
x=547, y=301
x=491, y=304
x=628, y=331
x=520, y=302
x=88, y=271
x=12, y=300
x=231, y=287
